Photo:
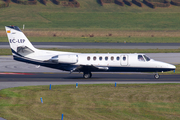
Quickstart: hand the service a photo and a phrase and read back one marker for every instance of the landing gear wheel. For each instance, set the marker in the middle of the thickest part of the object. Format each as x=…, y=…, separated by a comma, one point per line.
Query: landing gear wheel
x=157, y=76
x=87, y=75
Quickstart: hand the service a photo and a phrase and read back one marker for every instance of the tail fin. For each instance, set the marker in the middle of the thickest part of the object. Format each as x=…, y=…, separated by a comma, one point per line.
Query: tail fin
x=19, y=43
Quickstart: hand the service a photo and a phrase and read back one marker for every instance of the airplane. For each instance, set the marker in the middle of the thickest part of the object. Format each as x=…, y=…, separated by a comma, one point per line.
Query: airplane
x=24, y=51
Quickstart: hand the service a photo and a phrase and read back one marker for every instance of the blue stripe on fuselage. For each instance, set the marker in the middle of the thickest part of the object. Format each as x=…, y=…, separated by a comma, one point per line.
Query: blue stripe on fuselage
x=16, y=53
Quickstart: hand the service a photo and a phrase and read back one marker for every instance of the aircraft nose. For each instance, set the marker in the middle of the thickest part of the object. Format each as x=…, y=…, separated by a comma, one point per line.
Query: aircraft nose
x=167, y=65
x=170, y=66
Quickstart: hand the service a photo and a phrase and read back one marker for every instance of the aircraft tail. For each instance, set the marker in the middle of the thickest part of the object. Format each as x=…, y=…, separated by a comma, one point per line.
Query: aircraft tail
x=19, y=43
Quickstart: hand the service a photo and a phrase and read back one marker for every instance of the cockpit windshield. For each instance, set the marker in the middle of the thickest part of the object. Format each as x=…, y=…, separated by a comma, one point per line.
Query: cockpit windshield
x=147, y=58
x=140, y=58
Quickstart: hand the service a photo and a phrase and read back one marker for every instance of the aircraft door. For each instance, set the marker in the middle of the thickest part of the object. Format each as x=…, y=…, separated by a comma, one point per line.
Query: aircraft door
x=124, y=59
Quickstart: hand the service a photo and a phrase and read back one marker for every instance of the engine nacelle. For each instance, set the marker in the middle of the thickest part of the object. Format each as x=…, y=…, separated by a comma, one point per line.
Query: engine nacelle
x=70, y=59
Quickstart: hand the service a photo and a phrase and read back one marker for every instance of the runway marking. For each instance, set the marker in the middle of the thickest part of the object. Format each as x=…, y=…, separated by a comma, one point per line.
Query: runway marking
x=11, y=73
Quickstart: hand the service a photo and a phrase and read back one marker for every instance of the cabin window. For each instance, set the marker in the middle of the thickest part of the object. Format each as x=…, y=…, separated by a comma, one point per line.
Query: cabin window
x=140, y=58
x=88, y=58
x=112, y=58
x=100, y=58
x=124, y=58
x=146, y=57
x=106, y=58
x=117, y=58
x=94, y=58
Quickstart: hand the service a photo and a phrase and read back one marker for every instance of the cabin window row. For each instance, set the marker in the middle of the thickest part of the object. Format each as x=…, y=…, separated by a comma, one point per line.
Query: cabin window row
x=101, y=58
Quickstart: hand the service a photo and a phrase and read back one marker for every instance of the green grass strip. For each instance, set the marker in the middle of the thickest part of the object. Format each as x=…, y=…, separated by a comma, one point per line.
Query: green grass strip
x=97, y=102
x=102, y=39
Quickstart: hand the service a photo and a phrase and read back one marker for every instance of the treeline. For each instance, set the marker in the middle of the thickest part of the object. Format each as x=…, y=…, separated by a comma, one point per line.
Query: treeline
x=150, y=3
x=71, y=3
x=157, y=3
x=75, y=3
x=29, y=2
x=175, y=2
x=68, y=3
x=2, y=5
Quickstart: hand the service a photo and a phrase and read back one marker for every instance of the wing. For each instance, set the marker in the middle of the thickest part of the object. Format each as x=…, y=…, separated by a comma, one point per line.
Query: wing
x=82, y=68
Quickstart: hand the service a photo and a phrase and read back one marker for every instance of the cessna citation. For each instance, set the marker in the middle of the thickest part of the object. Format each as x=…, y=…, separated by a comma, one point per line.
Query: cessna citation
x=24, y=51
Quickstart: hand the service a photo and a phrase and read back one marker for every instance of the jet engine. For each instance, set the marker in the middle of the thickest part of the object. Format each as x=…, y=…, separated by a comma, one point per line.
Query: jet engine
x=69, y=59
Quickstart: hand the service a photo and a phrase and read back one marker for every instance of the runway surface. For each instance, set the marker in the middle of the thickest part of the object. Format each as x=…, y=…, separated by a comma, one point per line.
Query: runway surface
x=86, y=45
x=9, y=66
x=66, y=78
x=29, y=74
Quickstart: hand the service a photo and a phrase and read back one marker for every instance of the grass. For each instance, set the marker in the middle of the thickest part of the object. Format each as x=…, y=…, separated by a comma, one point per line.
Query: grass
x=100, y=102
x=93, y=21
x=107, y=39
x=90, y=16
x=130, y=24
x=1, y=2
x=8, y=51
x=122, y=21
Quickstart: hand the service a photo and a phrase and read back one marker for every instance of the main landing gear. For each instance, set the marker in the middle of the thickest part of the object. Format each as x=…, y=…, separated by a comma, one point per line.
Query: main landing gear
x=156, y=76
x=87, y=75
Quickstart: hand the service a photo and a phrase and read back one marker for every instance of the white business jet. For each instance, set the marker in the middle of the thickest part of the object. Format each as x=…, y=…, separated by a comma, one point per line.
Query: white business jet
x=24, y=51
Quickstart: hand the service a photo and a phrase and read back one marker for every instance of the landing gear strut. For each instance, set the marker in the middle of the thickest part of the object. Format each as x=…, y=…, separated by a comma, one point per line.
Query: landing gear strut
x=156, y=76
x=87, y=75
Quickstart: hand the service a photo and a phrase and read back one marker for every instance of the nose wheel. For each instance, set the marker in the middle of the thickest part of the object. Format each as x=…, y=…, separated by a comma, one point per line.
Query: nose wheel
x=156, y=76
x=87, y=75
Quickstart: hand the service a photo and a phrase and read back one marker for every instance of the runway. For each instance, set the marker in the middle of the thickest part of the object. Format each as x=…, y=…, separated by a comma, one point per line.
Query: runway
x=7, y=81
x=97, y=77
x=33, y=75
x=66, y=78
x=86, y=45
x=8, y=65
